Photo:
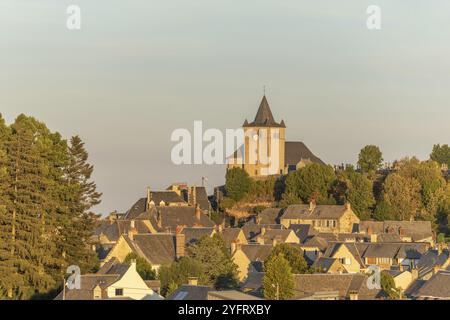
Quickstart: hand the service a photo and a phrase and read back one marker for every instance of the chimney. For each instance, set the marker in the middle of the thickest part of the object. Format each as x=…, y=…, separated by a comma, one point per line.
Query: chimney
x=133, y=264
x=347, y=206
x=312, y=205
x=192, y=281
x=219, y=228
x=414, y=274
x=133, y=231
x=274, y=242
x=233, y=247
x=179, y=242
x=353, y=295
x=198, y=212
x=260, y=240
x=159, y=219
x=149, y=198
x=194, y=195
x=263, y=231
x=258, y=219
x=373, y=237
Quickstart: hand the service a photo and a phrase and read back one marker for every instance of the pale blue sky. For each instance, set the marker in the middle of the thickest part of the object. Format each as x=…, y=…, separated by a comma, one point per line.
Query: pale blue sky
x=137, y=70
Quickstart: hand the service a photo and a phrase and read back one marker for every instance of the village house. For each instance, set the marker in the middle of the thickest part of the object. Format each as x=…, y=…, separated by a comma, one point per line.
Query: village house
x=158, y=249
x=323, y=218
x=250, y=258
x=277, y=236
x=113, y=281
x=408, y=231
x=232, y=235
x=333, y=287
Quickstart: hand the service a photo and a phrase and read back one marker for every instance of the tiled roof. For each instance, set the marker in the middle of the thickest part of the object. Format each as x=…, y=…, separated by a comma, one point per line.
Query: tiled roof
x=269, y=216
x=230, y=234
x=303, y=231
x=157, y=248
x=257, y=252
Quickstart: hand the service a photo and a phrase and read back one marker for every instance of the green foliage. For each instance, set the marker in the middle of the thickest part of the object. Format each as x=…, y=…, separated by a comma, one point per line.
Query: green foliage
x=388, y=286
x=383, y=211
x=312, y=182
x=41, y=209
x=278, y=281
x=370, y=158
x=238, y=184
x=294, y=256
x=143, y=267
x=403, y=196
x=441, y=154
x=176, y=274
x=214, y=256
x=357, y=189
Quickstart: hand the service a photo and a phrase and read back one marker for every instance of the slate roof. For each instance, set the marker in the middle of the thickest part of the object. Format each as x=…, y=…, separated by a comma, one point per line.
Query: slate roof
x=302, y=211
x=270, y=216
x=230, y=295
x=295, y=151
x=113, y=230
x=417, y=230
x=140, y=205
x=395, y=250
x=264, y=117
x=280, y=235
x=315, y=242
x=431, y=259
x=230, y=234
x=158, y=248
x=201, y=198
x=172, y=217
x=303, y=231
x=437, y=287
x=257, y=252
x=356, y=249
x=252, y=230
x=190, y=292
x=307, y=285
x=193, y=234
x=253, y=281
x=323, y=263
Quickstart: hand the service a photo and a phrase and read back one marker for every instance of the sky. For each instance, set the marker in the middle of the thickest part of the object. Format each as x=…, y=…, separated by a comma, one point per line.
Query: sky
x=138, y=70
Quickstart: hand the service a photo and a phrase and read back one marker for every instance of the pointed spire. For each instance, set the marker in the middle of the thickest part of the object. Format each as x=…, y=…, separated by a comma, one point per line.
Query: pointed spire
x=264, y=116
x=245, y=123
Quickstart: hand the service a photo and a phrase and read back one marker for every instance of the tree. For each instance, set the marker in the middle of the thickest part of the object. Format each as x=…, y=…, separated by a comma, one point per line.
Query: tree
x=402, y=195
x=80, y=222
x=143, y=267
x=278, y=281
x=238, y=183
x=441, y=154
x=388, y=286
x=357, y=189
x=294, y=256
x=370, y=158
x=214, y=256
x=383, y=211
x=176, y=274
x=312, y=182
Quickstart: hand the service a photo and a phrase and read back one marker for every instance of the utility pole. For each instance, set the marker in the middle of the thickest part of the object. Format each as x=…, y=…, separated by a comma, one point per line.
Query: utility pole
x=64, y=288
x=203, y=181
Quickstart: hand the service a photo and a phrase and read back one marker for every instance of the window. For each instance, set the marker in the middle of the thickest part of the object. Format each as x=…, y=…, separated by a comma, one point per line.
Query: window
x=119, y=292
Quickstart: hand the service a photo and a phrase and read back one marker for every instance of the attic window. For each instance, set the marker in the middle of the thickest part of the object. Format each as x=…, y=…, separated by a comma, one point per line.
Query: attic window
x=119, y=292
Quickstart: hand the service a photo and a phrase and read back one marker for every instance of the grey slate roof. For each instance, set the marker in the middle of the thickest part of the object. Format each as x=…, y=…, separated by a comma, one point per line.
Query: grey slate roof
x=324, y=263
x=157, y=248
x=172, y=217
x=270, y=216
x=264, y=117
x=437, y=287
x=279, y=235
x=193, y=234
x=190, y=292
x=307, y=285
x=303, y=231
x=302, y=211
x=316, y=242
x=230, y=234
x=431, y=259
x=417, y=230
x=140, y=205
x=295, y=151
x=257, y=252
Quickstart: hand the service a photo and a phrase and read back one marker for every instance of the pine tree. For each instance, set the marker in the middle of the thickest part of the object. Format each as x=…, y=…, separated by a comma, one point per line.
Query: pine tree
x=83, y=196
x=278, y=281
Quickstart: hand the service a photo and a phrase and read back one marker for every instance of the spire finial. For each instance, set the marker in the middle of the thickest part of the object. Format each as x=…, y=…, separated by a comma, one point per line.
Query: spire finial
x=264, y=90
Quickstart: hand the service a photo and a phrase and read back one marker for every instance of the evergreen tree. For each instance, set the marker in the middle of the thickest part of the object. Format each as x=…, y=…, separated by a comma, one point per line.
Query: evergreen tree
x=238, y=184
x=293, y=254
x=143, y=267
x=370, y=158
x=83, y=195
x=219, y=268
x=278, y=281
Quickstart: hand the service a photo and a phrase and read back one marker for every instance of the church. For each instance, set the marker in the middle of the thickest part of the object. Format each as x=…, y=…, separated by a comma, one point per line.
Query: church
x=265, y=150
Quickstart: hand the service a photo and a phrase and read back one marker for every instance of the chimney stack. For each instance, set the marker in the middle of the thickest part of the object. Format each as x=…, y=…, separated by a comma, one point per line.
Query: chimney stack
x=233, y=247
x=159, y=219
x=263, y=231
x=149, y=198
x=312, y=205
x=347, y=206
x=353, y=295
x=179, y=242
x=373, y=237
x=198, y=212
x=192, y=281
x=133, y=231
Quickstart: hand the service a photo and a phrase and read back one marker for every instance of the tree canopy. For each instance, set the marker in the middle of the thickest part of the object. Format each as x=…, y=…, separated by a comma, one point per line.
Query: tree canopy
x=370, y=158
x=278, y=281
